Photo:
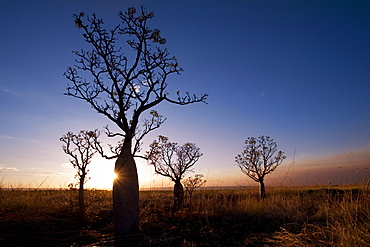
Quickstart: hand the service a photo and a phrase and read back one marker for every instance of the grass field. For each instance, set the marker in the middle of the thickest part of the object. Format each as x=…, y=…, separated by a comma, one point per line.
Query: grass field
x=316, y=216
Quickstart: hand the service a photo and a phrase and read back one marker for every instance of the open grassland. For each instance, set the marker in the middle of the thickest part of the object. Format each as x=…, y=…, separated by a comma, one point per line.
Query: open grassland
x=317, y=216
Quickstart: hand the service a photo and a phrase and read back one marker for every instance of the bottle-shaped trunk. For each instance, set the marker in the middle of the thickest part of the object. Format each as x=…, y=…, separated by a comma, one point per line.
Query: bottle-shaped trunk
x=178, y=194
x=81, y=198
x=262, y=188
x=126, y=193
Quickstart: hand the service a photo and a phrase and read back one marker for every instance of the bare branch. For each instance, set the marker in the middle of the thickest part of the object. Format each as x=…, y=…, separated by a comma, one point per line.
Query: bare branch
x=154, y=121
x=116, y=86
x=81, y=148
x=191, y=183
x=114, y=149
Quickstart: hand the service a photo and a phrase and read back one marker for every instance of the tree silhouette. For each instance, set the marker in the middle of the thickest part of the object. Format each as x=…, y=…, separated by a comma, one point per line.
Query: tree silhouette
x=81, y=148
x=173, y=161
x=191, y=183
x=257, y=159
x=123, y=84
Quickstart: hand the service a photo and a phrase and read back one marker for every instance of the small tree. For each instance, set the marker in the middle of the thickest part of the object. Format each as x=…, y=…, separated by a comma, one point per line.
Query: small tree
x=81, y=148
x=123, y=76
x=173, y=161
x=257, y=159
x=193, y=182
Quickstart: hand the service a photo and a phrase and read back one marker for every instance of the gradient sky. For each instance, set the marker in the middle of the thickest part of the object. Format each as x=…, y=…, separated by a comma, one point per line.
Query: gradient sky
x=297, y=71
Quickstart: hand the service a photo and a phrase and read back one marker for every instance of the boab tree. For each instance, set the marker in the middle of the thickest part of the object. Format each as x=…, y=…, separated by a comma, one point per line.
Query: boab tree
x=257, y=159
x=123, y=84
x=173, y=161
x=191, y=183
x=81, y=148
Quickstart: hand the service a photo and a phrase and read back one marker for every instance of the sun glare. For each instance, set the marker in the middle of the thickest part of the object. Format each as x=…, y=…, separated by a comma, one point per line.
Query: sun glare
x=102, y=175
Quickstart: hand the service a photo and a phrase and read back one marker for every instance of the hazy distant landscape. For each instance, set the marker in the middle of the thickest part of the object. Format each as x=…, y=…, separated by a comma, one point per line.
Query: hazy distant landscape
x=294, y=216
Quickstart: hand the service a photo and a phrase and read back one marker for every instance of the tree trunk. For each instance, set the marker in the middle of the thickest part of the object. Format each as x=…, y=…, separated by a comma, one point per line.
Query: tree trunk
x=190, y=194
x=178, y=194
x=126, y=193
x=262, y=189
x=81, y=198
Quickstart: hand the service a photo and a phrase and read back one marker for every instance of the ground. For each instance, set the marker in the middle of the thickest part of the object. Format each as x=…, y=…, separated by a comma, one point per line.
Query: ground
x=318, y=216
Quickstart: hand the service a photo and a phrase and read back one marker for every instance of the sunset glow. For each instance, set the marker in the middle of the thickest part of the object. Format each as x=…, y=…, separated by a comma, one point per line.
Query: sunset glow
x=102, y=176
x=294, y=70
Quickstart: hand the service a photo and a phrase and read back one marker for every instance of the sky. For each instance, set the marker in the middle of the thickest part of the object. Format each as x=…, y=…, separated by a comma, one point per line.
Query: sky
x=297, y=71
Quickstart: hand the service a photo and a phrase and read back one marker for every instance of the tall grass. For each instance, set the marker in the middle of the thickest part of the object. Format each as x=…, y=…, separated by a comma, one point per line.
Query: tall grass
x=317, y=216
x=287, y=217
x=49, y=217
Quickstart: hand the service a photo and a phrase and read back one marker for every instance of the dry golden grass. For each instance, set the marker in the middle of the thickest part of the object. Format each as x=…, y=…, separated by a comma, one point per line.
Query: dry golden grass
x=49, y=218
x=316, y=216
x=336, y=220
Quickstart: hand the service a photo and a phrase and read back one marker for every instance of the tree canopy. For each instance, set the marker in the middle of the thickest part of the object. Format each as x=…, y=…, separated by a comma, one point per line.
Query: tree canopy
x=120, y=84
x=172, y=160
x=257, y=159
x=121, y=76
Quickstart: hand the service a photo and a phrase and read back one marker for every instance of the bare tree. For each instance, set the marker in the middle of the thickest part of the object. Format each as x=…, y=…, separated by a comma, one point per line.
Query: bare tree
x=173, y=161
x=123, y=84
x=81, y=148
x=191, y=183
x=257, y=159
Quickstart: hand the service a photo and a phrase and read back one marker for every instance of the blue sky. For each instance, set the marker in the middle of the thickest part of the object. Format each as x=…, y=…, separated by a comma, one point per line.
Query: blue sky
x=297, y=71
